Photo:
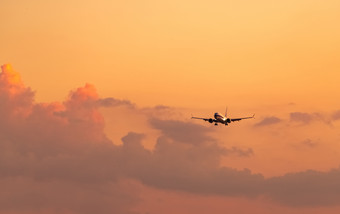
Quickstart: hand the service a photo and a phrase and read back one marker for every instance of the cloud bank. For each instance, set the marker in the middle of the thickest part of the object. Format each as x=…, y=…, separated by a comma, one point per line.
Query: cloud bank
x=56, y=158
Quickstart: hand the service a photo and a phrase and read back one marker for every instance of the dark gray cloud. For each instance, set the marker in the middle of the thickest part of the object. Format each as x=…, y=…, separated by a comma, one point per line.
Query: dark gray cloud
x=268, y=121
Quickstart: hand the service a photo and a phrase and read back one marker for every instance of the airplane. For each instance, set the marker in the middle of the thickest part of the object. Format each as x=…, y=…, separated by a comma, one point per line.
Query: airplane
x=219, y=118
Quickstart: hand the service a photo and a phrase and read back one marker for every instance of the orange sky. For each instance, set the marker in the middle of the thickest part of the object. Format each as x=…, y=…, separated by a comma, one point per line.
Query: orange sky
x=278, y=59
x=239, y=50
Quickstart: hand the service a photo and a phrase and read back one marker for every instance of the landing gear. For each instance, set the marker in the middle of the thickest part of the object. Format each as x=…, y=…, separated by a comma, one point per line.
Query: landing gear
x=216, y=124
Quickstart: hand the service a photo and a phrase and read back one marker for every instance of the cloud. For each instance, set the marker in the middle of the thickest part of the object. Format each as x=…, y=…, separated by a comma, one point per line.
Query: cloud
x=55, y=157
x=268, y=121
x=15, y=98
x=195, y=168
x=301, y=117
x=27, y=195
x=305, y=144
x=240, y=152
x=309, y=143
x=181, y=131
x=112, y=102
x=160, y=111
x=336, y=115
x=191, y=167
x=309, y=188
x=308, y=118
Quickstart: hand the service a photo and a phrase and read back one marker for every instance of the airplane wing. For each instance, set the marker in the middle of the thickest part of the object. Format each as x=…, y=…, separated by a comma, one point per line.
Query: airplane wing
x=205, y=119
x=238, y=119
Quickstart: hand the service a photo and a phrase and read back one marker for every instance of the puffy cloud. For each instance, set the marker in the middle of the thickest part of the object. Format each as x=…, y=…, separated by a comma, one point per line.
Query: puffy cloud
x=268, y=121
x=188, y=163
x=195, y=168
x=11, y=81
x=55, y=157
x=15, y=98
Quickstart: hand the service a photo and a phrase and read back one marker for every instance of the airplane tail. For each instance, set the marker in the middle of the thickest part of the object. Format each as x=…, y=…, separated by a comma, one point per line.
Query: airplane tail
x=226, y=111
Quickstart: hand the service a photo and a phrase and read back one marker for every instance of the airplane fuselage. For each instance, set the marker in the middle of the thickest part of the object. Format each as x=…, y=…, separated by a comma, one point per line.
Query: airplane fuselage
x=220, y=118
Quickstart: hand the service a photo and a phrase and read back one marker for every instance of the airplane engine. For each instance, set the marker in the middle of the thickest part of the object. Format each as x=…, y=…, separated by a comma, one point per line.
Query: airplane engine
x=210, y=120
x=228, y=120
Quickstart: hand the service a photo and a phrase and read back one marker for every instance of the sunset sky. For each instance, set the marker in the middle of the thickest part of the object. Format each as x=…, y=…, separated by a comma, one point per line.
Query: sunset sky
x=96, y=99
